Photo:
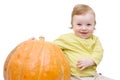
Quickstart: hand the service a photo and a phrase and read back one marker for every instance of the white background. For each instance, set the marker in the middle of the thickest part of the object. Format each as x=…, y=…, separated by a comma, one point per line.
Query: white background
x=23, y=19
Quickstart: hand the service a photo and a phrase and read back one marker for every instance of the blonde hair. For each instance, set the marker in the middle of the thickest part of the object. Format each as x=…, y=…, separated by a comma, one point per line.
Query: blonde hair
x=81, y=9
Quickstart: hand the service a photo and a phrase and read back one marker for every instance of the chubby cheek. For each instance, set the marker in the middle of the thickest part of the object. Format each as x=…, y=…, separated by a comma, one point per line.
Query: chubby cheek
x=76, y=31
x=90, y=33
x=91, y=30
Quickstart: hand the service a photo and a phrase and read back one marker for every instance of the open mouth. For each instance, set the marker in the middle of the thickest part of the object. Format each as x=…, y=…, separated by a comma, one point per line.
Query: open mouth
x=83, y=32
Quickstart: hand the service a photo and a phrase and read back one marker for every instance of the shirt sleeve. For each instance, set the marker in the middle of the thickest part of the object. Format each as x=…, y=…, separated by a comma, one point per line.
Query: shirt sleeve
x=97, y=53
x=60, y=42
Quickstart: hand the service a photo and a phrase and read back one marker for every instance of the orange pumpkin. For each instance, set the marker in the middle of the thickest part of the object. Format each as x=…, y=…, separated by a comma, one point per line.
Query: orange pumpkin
x=36, y=60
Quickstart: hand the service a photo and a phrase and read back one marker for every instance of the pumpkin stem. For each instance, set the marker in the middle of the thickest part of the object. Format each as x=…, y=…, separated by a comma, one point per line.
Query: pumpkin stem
x=42, y=38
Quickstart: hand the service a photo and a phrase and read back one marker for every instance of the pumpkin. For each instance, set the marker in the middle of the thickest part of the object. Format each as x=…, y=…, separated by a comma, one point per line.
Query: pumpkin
x=36, y=60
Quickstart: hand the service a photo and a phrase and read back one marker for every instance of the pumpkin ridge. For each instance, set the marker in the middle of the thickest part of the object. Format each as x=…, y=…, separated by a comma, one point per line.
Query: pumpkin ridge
x=45, y=65
x=25, y=58
x=24, y=44
x=41, y=50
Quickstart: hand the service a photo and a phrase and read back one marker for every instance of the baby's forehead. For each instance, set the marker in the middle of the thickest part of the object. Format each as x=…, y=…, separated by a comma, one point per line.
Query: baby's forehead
x=84, y=16
x=87, y=18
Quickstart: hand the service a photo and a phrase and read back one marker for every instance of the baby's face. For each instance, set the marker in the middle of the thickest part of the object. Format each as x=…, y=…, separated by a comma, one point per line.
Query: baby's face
x=83, y=25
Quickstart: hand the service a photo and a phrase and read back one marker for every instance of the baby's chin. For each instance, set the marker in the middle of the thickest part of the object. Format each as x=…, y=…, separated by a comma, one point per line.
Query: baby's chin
x=84, y=36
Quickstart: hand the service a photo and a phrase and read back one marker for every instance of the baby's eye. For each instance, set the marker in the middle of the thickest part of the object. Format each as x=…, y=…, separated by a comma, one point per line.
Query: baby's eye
x=79, y=24
x=89, y=24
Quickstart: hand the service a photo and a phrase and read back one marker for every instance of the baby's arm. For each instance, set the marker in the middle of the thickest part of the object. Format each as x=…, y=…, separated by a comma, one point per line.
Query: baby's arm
x=95, y=58
x=97, y=53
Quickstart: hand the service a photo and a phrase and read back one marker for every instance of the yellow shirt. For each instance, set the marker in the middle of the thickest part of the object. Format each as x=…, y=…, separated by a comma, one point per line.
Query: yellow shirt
x=76, y=48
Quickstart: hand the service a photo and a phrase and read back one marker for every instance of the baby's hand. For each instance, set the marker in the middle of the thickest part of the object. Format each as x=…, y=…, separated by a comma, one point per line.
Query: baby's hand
x=32, y=38
x=84, y=63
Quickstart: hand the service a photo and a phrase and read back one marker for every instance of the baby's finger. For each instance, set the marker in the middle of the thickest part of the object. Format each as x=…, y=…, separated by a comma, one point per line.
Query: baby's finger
x=78, y=65
x=82, y=68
